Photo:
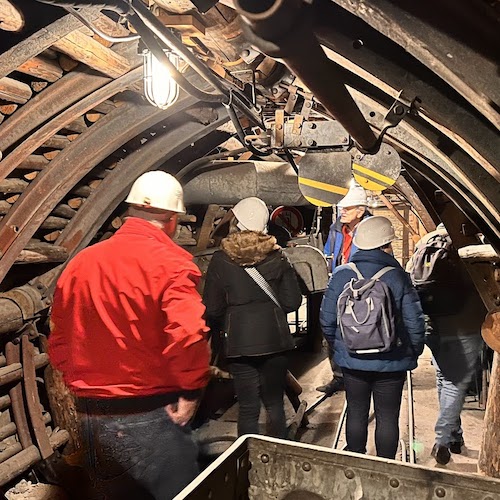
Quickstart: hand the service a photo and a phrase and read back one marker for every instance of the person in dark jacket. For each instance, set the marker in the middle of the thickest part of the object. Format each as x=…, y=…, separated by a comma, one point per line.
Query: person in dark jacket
x=383, y=374
x=256, y=331
x=338, y=250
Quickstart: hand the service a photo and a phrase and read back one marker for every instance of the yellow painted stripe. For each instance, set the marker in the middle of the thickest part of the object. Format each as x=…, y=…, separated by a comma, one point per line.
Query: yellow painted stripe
x=375, y=175
x=323, y=186
x=316, y=202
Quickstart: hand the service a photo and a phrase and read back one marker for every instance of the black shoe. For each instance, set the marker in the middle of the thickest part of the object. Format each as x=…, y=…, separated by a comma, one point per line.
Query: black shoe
x=336, y=385
x=441, y=454
x=456, y=446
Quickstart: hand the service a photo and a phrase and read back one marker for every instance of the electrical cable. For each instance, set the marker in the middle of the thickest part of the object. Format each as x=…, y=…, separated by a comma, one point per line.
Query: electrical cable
x=97, y=31
x=115, y=5
x=240, y=132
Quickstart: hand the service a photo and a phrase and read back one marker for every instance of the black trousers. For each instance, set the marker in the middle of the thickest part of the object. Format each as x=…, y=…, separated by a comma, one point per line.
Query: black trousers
x=142, y=455
x=386, y=388
x=256, y=379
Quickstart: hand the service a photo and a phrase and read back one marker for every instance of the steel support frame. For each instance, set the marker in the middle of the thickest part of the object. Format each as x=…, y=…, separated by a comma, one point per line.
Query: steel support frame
x=112, y=190
x=70, y=166
x=474, y=75
x=384, y=65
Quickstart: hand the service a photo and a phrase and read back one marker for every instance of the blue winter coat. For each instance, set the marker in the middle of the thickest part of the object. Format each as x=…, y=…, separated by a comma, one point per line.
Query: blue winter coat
x=409, y=316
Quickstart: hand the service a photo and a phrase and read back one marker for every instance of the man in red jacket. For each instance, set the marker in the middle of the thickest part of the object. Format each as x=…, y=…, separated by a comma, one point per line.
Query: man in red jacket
x=129, y=338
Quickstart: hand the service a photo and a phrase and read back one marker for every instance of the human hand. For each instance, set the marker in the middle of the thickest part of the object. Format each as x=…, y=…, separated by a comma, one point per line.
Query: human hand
x=181, y=412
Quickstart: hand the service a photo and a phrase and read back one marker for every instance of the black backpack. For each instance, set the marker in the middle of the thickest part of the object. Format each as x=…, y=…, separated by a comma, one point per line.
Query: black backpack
x=437, y=276
x=365, y=314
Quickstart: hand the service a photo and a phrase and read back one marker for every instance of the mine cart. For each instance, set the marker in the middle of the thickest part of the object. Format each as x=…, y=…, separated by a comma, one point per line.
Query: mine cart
x=257, y=467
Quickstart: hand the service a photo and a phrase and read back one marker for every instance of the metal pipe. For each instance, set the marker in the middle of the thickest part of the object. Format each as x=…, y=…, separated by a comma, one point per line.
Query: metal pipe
x=283, y=29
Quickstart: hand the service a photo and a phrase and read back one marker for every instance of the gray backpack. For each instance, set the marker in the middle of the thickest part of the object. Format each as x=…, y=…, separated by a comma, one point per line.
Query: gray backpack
x=365, y=314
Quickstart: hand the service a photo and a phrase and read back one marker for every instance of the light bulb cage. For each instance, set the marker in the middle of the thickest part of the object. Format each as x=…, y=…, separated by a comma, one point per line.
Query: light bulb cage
x=160, y=88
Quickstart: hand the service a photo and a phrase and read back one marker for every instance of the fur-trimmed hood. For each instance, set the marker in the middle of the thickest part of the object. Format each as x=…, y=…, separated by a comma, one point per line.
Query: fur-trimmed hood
x=247, y=248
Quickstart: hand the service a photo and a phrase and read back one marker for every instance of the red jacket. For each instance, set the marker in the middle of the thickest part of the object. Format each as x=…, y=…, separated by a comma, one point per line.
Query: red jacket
x=127, y=319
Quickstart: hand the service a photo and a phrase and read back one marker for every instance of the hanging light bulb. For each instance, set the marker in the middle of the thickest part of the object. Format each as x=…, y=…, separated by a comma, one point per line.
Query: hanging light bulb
x=160, y=88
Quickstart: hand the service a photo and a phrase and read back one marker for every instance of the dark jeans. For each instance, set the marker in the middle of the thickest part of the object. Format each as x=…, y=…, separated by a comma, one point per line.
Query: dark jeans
x=259, y=378
x=140, y=455
x=387, y=389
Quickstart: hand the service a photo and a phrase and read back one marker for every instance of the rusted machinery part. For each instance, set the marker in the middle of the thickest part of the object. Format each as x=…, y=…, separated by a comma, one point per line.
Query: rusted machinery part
x=36, y=139
x=48, y=188
x=284, y=29
x=33, y=399
x=13, y=355
x=112, y=190
x=69, y=89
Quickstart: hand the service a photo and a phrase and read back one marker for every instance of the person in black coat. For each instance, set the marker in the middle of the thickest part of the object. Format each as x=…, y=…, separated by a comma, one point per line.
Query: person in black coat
x=256, y=330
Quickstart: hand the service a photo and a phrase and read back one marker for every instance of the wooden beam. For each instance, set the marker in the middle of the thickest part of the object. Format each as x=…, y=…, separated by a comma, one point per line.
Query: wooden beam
x=86, y=50
x=67, y=63
x=11, y=17
x=488, y=462
x=57, y=142
x=8, y=109
x=42, y=68
x=8, y=186
x=33, y=162
x=14, y=91
x=61, y=210
x=31, y=46
x=38, y=86
x=37, y=252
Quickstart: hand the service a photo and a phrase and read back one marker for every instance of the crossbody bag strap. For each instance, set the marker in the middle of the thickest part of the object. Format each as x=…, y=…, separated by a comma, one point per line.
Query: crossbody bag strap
x=263, y=284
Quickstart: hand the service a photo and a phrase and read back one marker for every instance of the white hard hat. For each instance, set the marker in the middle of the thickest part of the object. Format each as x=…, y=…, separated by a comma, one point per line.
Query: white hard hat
x=157, y=189
x=252, y=214
x=374, y=232
x=356, y=196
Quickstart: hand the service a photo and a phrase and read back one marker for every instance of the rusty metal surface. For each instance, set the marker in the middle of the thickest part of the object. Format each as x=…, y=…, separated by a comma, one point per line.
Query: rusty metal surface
x=65, y=92
x=13, y=355
x=418, y=202
x=383, y=64
x=257, y=467
x=70, y=166
x=32, y=398
x=450, y=168
x=285, y=31
x=113, y=188
x=471, y=72
x=36, y=139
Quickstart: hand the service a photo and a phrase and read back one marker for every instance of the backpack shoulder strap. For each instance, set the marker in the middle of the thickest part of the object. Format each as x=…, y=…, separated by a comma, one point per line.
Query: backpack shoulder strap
x=356, y=270
x=382, y=271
